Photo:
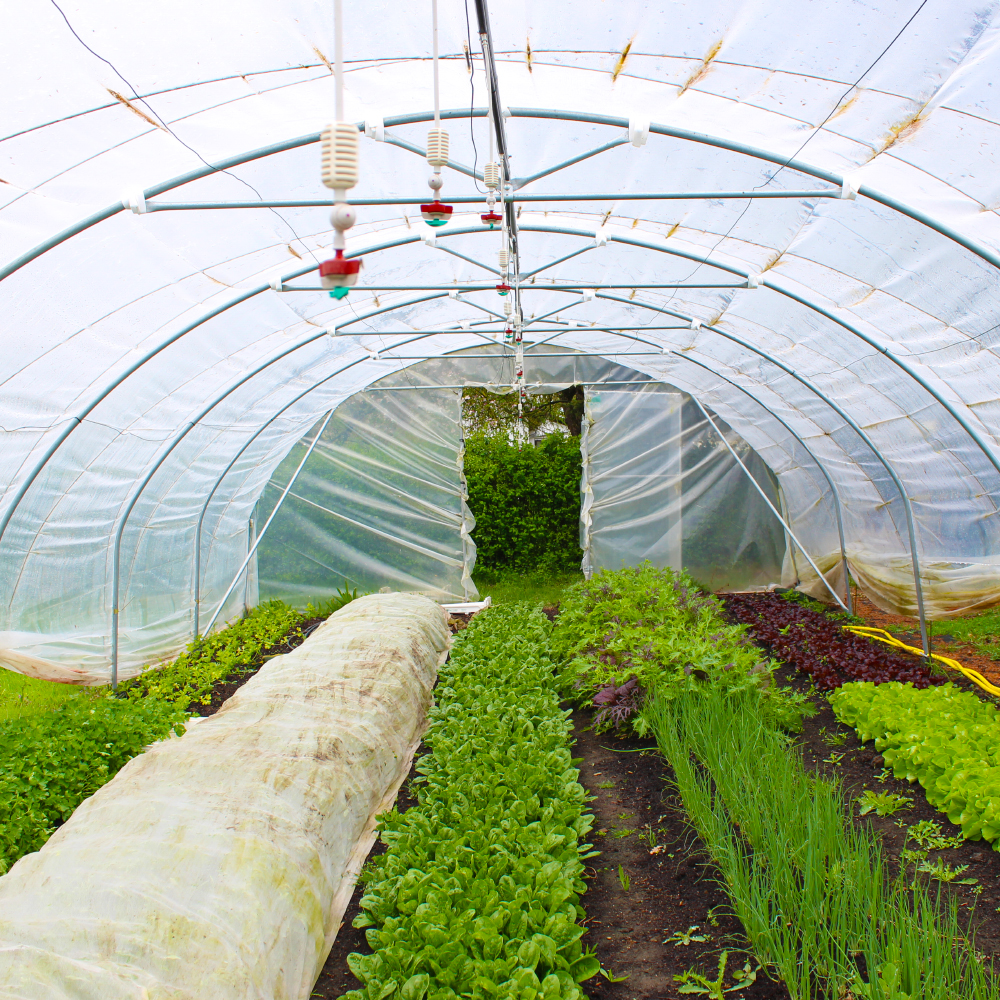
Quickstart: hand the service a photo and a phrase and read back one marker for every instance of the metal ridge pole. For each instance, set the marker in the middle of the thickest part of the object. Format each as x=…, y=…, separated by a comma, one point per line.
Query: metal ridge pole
x=767, y=500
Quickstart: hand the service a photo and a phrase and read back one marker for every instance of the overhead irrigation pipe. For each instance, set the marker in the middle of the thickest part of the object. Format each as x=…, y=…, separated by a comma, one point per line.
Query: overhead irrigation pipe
x=767, y=500
x=837, y=504
x=267, y=524
x=527, y=199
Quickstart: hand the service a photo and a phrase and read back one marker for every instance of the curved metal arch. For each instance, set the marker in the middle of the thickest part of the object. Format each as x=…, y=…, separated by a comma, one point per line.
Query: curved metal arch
x=571, y=116
x=766, y=282
x=837, y=502
x=409, y=239
x=910, y=528
x=526, y=113
x=176, y=440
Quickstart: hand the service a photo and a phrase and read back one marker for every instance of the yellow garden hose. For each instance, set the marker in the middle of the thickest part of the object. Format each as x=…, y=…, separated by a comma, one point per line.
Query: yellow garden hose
x=881, y=635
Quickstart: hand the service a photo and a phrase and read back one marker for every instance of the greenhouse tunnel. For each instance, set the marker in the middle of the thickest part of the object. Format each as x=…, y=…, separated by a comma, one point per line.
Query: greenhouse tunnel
x=791, y=251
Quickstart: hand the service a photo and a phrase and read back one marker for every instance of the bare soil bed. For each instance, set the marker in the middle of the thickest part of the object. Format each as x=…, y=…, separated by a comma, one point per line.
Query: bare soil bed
x=637, y=932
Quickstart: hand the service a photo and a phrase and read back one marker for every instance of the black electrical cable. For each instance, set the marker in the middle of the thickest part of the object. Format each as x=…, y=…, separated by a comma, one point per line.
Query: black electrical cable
x=166, y=128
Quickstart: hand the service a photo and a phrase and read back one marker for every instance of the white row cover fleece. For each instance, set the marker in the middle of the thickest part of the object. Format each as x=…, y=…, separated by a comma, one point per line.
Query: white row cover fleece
x=218, y=866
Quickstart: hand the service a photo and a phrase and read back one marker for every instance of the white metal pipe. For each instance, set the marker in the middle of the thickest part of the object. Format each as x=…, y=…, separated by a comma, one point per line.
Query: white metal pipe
x=263, y=531
x=767, y=500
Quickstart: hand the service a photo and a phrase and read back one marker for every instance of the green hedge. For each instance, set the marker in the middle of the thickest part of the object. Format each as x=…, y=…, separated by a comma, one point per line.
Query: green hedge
x=526, y=502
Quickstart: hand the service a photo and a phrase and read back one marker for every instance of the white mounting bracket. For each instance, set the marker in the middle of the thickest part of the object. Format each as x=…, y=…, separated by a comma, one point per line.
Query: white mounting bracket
x=375, y=129
x=589, y=294
x=277, y=284
x=372, y=353
x=429, y=239
x=849, y=187
x=332, y=331
x=638, y=131
x=135, y=201
x=695, y=324
x=754, y=280
x=464, y=324
x=505, y=112
x=601, y=237
x=456, y=295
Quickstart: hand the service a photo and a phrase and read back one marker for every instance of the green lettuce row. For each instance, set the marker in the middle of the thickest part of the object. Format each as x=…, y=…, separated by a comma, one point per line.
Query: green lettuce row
x=478, y=892
x=943, y=737
x=658, y=626
x=191, y=677
x=50, y=763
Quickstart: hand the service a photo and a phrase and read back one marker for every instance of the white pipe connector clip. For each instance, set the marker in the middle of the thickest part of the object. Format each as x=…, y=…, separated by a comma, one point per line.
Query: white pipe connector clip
x=695, y=325
x=331, y=331
x=135, y=201
x=849, y=187
x=464, y=324
x=456, y=295
x=375, y=129
x=277, y=284
x=638, y=131
x=601, y=238
x=589, y=294
x=430, y=239
x=754, y=280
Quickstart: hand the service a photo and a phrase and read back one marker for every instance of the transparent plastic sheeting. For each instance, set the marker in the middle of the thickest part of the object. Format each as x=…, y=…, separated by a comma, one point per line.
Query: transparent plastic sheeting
x=381, y=501
x=659, y=484
x=847, y=284
x=220, y=864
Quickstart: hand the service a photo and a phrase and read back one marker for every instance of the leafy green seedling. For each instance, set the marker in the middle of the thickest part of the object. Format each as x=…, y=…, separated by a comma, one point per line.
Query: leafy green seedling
x=623, y=877
x=622, y=833
x=685, y=938
x=611, y=977
x=928, y=834
x=695, y=982
x=650, y=835
x=711, y=917
x=882, y=803
x=835, y=739
x=605, y=784
x=884, y=987
x=883, y=775
x=945, y=873
x=834, y=758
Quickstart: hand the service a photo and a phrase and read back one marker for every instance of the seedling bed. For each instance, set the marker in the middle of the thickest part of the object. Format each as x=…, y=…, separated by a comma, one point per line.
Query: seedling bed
x=669, y=891
x=227, y=686
x=860, y=768
x=819, y=646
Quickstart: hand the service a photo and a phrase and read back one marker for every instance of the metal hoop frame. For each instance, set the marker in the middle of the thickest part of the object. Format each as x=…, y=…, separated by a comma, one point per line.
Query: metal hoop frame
x=610, y=121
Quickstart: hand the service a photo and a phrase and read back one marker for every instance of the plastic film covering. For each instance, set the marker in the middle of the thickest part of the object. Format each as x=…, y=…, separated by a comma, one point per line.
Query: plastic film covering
x=145, y=339
x=658, y=484
x=220, y=864
x=380, y=502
